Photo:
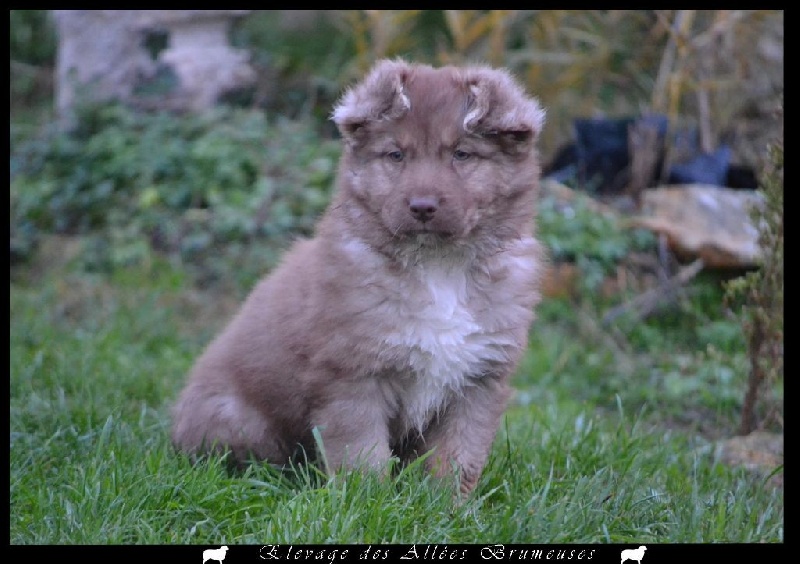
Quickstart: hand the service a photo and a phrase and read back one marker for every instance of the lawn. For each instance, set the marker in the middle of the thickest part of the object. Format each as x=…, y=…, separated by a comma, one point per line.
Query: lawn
x=609, y=438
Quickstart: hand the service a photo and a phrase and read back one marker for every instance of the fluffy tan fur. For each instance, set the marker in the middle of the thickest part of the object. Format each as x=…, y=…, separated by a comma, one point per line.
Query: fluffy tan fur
x=395, y=329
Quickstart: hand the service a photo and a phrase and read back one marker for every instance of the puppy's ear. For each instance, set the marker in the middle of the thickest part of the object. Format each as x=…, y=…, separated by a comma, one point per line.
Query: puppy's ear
x=499, y=108
x=380, y=96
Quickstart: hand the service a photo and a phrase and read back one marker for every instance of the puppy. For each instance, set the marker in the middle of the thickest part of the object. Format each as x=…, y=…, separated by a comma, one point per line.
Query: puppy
x=395, y=329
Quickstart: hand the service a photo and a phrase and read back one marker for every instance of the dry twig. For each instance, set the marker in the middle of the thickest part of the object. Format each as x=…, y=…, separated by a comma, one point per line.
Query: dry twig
x=644, y=304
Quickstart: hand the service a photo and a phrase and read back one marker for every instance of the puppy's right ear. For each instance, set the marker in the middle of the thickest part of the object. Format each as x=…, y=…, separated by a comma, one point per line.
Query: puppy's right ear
x=380, y=96
x=499, y=107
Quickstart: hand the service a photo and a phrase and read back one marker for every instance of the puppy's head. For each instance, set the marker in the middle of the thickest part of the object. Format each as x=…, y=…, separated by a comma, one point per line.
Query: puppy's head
x=439, y=154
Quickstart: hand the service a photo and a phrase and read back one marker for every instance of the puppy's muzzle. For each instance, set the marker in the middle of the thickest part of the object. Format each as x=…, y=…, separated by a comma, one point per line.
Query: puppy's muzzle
x=423, y=209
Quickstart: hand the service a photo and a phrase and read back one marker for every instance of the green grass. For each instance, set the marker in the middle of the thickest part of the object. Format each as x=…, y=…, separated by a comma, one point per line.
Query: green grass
x=589, y=451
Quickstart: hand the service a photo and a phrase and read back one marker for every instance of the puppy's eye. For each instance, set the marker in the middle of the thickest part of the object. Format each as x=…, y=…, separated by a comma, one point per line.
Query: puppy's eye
x=395, y=156
x=460, y=155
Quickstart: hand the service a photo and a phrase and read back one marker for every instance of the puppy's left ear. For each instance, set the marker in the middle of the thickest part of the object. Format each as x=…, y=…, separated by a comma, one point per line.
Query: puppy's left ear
x=499, y=108
x=380, y=96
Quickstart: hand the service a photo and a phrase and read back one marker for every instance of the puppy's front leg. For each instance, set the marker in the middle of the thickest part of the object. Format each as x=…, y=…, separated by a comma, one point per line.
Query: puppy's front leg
x=354, y=431
x=464, y=432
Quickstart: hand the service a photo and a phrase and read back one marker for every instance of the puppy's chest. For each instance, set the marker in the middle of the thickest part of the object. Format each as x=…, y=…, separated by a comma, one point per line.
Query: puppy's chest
x=436, y=343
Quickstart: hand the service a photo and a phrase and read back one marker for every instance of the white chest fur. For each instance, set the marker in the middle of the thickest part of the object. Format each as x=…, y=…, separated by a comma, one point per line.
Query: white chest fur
x=439, y=340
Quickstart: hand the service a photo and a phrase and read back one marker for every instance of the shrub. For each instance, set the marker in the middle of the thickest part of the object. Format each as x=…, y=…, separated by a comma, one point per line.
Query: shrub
x=137, y=181
x=596, y=242
x=762, y=314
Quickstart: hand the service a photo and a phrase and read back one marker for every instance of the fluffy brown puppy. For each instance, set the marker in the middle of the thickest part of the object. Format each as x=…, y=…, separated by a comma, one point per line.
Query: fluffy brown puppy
x=393, y=331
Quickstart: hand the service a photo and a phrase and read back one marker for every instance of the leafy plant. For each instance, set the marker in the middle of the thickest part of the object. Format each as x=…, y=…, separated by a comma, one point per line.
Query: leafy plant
x=32, y=50
x=32, y=37
x=597, y=242
x=137, y=182
x=762, y=314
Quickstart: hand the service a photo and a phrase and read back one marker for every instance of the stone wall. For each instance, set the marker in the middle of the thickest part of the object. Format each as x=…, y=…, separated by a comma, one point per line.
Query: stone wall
x=101, y=56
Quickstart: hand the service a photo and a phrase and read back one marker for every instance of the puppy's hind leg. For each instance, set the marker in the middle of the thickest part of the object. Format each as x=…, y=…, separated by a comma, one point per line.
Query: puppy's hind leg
x=209, y=420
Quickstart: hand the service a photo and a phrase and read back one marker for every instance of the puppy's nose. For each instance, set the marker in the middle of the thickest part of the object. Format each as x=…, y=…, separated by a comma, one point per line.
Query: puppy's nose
x=423, y=209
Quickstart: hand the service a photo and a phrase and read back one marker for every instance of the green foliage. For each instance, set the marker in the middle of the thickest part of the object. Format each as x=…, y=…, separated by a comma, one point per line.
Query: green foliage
x=307, y=42
x=301, y=59
x=32, y=49
x=686, y=367
x=762, y=290
x=114, y=156
x=181, y=184
x=577, y=232
x=135, y=183
x=32, y=38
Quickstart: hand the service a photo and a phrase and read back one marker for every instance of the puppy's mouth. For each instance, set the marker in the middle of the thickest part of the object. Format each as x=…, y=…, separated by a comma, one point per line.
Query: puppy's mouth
x=425, y=233
x=426, y=239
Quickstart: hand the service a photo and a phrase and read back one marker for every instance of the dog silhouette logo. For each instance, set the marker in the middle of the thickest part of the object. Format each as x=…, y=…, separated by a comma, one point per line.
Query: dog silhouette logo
x=633, y=554
x=215, y=554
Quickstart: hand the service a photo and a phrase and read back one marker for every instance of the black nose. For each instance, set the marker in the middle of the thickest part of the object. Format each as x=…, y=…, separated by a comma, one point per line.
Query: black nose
x=423, y=209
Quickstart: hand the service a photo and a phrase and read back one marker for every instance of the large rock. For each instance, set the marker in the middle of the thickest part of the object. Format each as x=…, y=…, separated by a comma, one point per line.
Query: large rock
x=759, y=452
x=101, y=55
x=205, y=64
x=698, y=221
x=709, y=222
